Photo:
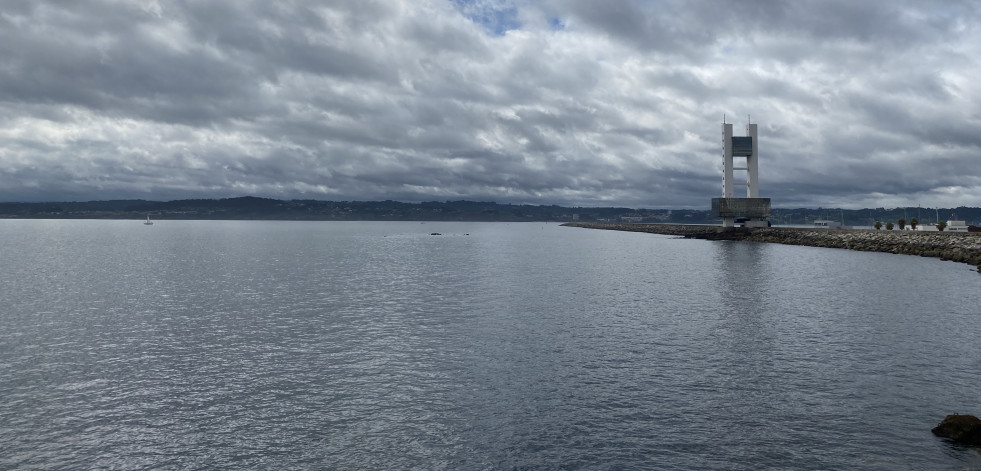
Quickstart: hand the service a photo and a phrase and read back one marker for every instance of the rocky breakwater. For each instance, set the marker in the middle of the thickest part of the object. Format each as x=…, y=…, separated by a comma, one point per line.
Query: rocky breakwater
x=963, y=247
x=684, y=230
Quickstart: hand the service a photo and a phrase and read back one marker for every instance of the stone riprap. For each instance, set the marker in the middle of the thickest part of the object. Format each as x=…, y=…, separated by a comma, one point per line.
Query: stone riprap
x=963, y=247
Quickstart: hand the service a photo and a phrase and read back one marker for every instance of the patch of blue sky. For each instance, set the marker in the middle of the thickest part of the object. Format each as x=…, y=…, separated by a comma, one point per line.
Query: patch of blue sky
x=495, y=16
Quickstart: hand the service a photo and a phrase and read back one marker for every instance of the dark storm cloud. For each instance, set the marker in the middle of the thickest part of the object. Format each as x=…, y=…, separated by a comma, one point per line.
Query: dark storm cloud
x=572, y=102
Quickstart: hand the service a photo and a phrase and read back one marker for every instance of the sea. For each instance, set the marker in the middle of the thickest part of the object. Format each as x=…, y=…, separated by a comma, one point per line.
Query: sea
x=221, y=345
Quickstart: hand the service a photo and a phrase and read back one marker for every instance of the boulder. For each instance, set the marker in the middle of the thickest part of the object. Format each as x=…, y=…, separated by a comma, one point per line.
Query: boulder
x=965, y=429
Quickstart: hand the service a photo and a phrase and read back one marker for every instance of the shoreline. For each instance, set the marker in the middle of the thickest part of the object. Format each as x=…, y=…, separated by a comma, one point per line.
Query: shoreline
x=961, y=247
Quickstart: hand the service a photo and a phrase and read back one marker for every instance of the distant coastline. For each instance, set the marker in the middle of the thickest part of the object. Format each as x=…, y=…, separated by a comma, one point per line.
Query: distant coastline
x=255, y=208
x=962, y=247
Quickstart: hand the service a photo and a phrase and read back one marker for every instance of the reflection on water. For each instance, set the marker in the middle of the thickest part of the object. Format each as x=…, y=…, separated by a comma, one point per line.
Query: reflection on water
x=743, y=273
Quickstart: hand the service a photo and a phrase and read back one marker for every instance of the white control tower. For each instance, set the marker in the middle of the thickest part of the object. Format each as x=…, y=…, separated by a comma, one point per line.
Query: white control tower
x=733, y=147
x=751, y=210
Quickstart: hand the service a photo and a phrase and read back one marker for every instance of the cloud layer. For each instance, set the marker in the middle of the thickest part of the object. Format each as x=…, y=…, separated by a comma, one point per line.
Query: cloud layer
x=573, y=102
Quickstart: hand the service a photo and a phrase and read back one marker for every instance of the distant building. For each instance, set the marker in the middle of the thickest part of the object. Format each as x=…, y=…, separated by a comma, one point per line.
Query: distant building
x=956, y=226
x=952, y=226
x=827, y=224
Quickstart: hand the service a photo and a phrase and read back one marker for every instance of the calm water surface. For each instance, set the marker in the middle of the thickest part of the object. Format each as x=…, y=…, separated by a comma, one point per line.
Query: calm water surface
x=231, y=345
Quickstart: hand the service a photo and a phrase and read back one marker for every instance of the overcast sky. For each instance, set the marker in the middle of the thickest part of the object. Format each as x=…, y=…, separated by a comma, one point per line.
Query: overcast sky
x=571, y=102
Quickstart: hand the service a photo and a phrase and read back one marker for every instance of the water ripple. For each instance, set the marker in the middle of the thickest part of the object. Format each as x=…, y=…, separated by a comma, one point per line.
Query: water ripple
x=204, y=345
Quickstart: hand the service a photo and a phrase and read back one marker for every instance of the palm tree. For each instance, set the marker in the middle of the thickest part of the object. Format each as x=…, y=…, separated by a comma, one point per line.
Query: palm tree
x=902, y=223
x=878, y=225
x=912, y=223
x=941, y=225
x=888, y=226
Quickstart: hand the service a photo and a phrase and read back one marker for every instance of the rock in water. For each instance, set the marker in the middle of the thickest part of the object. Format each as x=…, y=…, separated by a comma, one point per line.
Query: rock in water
x=964, y=429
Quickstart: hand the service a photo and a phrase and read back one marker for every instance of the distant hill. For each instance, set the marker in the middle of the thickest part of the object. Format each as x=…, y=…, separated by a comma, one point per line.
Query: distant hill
x=250, y=207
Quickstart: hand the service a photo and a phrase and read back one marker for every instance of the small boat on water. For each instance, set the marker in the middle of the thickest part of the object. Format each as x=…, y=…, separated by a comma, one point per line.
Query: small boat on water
x=148, y=221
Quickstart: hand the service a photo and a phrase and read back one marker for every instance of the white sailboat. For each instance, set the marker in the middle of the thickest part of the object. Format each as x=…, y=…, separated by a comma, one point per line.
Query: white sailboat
x=148, y=221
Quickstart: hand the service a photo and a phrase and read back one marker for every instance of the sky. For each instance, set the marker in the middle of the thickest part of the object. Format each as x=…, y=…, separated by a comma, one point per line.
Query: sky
x=871, y=103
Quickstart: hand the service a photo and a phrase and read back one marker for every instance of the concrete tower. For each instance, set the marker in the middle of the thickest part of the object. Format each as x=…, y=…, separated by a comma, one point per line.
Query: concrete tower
x=750, y=210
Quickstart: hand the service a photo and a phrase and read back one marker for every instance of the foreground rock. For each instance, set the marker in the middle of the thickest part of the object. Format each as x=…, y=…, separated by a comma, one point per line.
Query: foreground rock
x=963, y=247
x=964, y=429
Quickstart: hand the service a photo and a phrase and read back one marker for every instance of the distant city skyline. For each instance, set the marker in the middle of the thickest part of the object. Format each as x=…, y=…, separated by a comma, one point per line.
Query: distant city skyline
x=870, y=104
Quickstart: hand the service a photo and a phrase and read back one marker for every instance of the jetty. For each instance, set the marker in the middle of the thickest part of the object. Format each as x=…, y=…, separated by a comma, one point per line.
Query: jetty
x=961, y=247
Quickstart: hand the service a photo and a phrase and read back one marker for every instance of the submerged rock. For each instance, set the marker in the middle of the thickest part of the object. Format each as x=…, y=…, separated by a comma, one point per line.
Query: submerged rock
x=965, y=429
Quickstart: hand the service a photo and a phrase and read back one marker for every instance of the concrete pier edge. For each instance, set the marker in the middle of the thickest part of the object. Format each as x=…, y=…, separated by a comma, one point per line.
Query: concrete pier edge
x=961, y=247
